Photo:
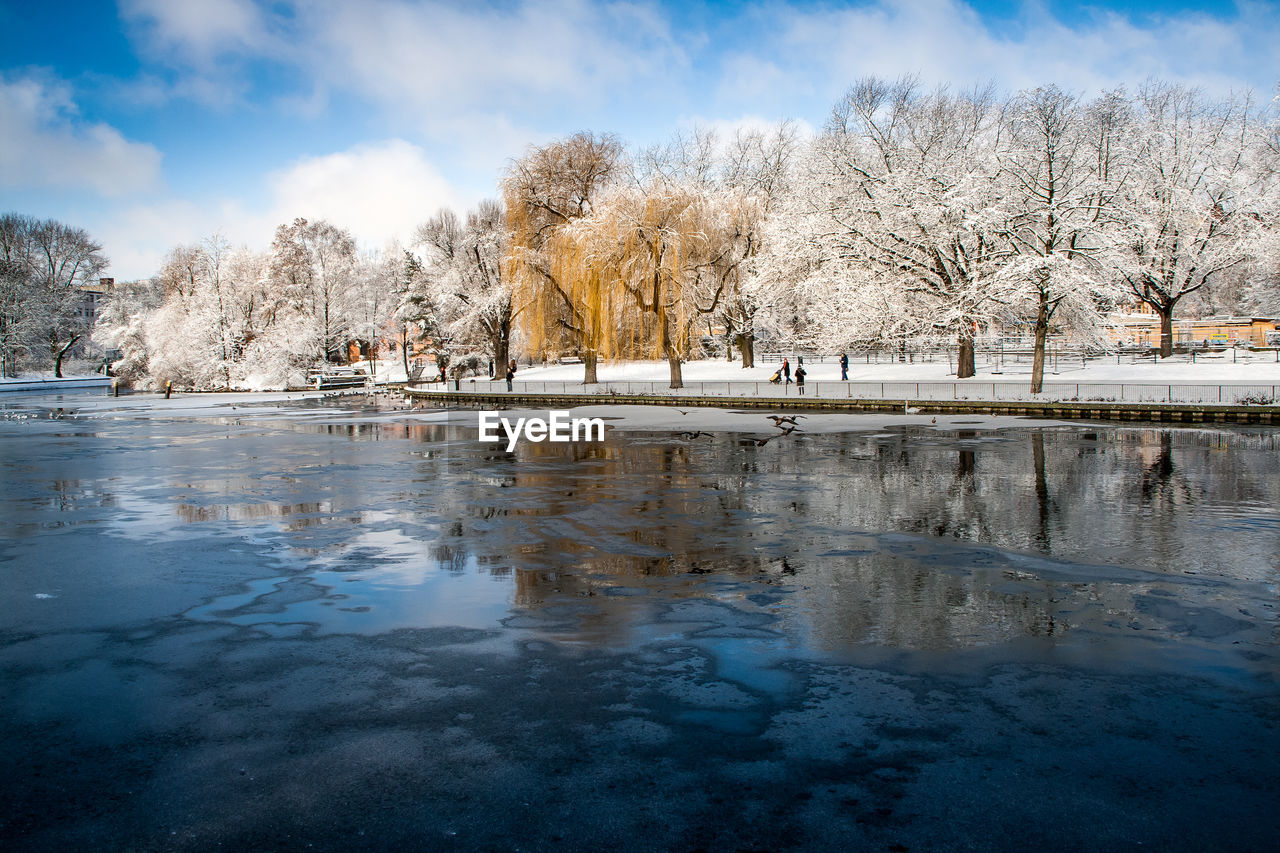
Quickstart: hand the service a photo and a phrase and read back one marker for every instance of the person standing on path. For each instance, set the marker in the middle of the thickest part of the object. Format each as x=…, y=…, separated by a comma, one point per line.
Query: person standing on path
x=844, y=367
x=800, y=378
x=786, y=370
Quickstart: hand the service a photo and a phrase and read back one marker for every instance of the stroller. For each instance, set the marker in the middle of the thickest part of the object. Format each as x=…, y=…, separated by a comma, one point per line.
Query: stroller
x=777, y=377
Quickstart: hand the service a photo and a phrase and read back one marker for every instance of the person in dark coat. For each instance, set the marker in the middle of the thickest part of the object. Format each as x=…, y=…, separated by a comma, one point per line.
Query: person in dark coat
x=844, y=366
x=786, y=370
x=800, y=378
x=510, y=375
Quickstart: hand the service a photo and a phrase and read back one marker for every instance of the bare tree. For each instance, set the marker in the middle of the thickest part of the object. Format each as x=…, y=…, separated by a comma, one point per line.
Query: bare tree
x=547, y=190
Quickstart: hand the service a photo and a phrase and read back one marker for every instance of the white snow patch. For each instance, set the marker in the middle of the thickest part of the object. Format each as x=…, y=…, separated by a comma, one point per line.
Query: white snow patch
x=1249, y=368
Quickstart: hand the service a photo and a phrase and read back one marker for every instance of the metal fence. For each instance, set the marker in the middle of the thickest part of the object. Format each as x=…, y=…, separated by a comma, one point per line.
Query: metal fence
x=978, y=391
x=1056, y=356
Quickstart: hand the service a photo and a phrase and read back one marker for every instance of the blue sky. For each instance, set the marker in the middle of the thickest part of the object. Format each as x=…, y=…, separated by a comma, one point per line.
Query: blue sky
x=157, y=122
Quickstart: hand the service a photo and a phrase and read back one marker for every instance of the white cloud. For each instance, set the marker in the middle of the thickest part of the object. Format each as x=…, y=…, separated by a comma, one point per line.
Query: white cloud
x=434, y=57
x=494, y=57
x=45, y=145
x=197, y=30
x=726, y=129
x=137, y=237
x=946, y=41
x=378, y=191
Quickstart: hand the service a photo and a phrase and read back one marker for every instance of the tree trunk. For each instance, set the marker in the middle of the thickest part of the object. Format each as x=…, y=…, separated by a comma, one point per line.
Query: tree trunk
x=1042, y=333
x=590, y=358
x=59, y=353
x=664, y=331
x=673, y=361
x=404, y=350
x=1166, y=330
x=501, y=357
x=747, y=343
x=964, y=359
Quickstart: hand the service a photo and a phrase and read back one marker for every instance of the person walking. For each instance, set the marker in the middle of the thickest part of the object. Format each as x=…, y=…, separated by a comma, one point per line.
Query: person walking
x=800, y=378
x=786, y=370
x=510, y=376
x=844, y=367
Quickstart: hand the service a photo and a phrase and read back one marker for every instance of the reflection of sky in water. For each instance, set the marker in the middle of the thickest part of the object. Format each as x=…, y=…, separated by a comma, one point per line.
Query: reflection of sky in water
x=375, y=581
x=897, y=539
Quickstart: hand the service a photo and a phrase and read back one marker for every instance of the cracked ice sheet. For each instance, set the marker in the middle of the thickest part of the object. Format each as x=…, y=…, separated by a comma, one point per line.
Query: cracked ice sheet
x=182, y=405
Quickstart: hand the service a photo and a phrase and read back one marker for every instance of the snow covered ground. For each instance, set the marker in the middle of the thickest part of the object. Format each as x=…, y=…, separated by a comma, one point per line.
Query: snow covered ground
x=1249, y=368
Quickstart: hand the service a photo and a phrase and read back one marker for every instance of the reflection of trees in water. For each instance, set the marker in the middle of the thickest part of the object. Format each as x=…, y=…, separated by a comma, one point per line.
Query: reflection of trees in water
x=72, y=495
x=300, y=515
x=892, y=601
x=572, y=519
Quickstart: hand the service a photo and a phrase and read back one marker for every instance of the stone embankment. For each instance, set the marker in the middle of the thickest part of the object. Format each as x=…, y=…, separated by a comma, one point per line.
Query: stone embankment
x=1111, y=411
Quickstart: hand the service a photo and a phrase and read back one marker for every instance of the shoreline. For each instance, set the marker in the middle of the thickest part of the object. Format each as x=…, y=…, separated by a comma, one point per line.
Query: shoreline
x=1165, y=413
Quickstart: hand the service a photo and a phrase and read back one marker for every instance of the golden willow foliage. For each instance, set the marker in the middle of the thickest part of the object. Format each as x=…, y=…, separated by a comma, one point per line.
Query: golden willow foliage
x=621, y=270
x=648, y=244
x=570, y=305
x=546, y=191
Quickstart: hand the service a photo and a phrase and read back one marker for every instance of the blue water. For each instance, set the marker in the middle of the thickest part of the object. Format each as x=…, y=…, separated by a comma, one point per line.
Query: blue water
x=270, y=631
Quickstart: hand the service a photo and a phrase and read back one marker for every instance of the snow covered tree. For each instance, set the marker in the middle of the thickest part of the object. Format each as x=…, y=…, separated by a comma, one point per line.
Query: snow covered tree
x=757, y=173
x=374, y=297
x=1058, y=159
x=1191, y=207
x=889, y=232
x=208, y=320
x=43, y=266
x=415, y=310
x=185, y=338
x=1261, y=294
x=19, y=322
x=311, y=265
x=121, y=326
x=545, y=191
x=474, y=301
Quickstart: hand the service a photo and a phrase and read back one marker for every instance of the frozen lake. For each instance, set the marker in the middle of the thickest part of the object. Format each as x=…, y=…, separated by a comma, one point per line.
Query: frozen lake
x=282, y=623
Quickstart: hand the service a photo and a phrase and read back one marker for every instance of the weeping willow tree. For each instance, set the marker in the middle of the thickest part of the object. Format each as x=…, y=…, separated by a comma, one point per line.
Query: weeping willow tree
x=648, y=246
x=571, y=305
x=742, y=178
